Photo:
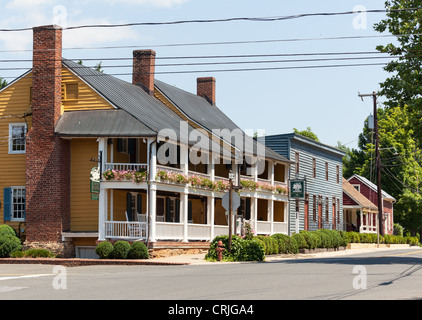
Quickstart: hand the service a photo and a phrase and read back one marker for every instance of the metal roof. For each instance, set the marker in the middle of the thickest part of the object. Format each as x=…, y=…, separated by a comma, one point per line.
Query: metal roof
x=209, y=116
x=130, y=98
x=373, y=186
x=101, y=123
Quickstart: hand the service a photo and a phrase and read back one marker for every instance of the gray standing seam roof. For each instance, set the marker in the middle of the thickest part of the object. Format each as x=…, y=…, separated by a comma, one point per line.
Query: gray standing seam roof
x=101, y=123
x=210, y=117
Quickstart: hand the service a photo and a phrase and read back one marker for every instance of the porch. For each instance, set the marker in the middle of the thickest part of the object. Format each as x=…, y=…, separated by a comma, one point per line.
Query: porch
x=360, y=220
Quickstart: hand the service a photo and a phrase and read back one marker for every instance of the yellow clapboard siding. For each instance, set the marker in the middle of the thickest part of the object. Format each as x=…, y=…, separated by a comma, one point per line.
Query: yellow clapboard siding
x=88, y=99
x=84, y=211
x=14, y=104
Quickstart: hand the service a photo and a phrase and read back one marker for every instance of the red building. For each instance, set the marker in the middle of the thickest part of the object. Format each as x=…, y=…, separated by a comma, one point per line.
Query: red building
x=369, y=190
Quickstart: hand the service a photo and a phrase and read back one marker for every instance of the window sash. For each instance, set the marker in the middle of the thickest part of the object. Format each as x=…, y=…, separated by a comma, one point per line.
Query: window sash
x=18, y=204
x=17, y=138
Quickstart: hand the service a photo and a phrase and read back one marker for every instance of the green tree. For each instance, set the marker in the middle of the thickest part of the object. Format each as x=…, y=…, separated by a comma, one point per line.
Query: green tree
x=307, y=133
x=404, y=86
x=3, y=83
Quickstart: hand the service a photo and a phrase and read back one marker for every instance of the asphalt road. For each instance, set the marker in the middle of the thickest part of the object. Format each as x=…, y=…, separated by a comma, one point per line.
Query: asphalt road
x=381, y=275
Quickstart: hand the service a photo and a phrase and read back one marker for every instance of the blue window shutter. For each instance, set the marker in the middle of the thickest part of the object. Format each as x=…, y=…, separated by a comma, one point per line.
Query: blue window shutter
x=7, y=192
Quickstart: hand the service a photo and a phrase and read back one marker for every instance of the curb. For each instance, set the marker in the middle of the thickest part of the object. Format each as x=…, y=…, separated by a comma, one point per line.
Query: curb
x=85, y=262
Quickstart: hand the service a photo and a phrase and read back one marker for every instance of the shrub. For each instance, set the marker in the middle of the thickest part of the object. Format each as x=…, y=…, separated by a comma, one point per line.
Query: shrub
x=300, y=240
x=241, y=250
x=120, y=250
x=325, y=240
x=271, y=244
x=33, y=253
x=104, y=250
x=253, y=250
x=236, y=248
x=312, y=240
x=286, y=244
x=8, y=245
x=7, y=230
x=138, y=250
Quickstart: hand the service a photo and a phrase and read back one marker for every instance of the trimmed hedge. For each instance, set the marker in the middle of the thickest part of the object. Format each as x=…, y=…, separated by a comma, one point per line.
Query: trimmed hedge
x=122, y=250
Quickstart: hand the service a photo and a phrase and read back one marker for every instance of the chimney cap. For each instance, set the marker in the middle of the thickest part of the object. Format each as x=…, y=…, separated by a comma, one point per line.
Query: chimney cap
x=49, y=27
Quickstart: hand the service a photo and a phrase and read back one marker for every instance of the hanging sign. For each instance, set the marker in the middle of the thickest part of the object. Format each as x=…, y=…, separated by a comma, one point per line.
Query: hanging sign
x=297, y=189
x=95, y=183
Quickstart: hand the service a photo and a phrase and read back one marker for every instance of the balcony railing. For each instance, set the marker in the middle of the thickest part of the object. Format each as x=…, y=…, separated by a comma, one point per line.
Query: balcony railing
x=126, y=166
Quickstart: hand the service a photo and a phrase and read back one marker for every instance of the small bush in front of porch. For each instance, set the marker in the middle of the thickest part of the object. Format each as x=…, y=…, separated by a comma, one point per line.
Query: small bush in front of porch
x=104, y=250
x=138, y=250
x=8, y=245
x=120, y=250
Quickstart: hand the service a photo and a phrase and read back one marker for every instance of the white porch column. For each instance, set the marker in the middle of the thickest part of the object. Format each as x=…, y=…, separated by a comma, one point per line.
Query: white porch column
x=184, y=207
x=254, y=213
x=102, y=208
x=270, y=214
x=152, y=191
x=210, y=214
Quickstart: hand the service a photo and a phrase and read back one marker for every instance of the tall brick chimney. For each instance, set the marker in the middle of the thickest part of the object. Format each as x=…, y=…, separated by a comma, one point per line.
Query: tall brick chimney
x=47, y=156
x=206, y=89
x=144, y=69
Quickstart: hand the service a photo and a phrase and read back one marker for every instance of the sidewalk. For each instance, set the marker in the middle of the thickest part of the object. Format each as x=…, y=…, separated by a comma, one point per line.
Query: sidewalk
x=199, y=259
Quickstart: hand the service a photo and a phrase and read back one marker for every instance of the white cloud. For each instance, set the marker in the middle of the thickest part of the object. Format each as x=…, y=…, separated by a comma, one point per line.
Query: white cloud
x=155, y=3
x=27, y=4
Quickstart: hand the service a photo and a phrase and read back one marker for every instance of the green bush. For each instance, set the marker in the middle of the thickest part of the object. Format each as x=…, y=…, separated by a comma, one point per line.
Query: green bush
x=8, y=245
x=104, y=250
x=271, y=244
x=120, y=250
x=33, y=253
x=310, y=238
x=286, y=244
x=241, y=250
x=7, y=230
x=300, y=240
x=236, y=248
x=138, y=250
x=253, y=250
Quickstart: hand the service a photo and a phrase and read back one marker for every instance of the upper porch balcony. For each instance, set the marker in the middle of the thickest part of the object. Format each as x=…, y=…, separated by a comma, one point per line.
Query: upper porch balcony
x=130, y=161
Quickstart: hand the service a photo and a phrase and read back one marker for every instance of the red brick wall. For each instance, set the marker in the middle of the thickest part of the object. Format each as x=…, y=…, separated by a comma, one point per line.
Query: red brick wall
x=47, y=156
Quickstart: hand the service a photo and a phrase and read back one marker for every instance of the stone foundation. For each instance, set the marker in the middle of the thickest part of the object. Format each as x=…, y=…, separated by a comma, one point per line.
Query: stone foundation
x=64, y=249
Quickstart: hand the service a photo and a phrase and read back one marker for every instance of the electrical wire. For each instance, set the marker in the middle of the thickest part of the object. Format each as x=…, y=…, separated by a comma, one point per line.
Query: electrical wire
x=235, y=19
x=226, y=42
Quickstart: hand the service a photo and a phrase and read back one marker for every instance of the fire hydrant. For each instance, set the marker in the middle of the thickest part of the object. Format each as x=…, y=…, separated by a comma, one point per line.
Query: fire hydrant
x=220, y=248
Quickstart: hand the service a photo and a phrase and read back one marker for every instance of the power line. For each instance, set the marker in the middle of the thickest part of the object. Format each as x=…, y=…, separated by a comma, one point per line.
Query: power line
x=227, y=62
x=236, y=19
x=229, y=70
x=226, y=42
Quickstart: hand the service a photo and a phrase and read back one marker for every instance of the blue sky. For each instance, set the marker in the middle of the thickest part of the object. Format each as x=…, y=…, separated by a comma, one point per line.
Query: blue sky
x=276, y=101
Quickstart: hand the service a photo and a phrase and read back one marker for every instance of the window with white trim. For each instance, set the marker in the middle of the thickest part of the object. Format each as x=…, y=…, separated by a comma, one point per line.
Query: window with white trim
x=18, y=204
x=17, y=138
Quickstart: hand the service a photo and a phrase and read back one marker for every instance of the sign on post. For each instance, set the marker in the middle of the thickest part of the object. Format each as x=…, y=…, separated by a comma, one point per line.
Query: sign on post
x=235, y=201
x=297, y=189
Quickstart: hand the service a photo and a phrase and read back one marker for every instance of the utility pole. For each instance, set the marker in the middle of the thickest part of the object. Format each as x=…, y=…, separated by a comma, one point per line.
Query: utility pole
x=380, y=229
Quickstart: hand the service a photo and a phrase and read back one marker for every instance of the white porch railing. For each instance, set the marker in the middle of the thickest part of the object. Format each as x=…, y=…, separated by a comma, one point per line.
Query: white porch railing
x=126, y=230
x=126, y=166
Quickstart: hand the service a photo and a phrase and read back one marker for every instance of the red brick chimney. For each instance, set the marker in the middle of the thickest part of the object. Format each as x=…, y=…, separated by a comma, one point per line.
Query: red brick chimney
x=206, y=89
x=47, y=156
x=144, y=69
